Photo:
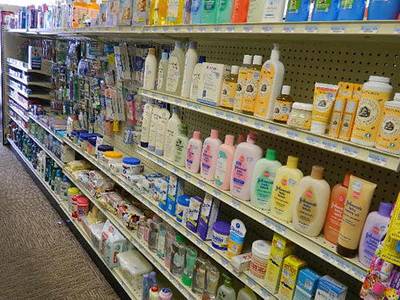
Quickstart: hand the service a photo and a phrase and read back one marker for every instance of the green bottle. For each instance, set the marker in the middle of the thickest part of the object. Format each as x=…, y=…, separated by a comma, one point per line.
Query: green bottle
x=187, y=276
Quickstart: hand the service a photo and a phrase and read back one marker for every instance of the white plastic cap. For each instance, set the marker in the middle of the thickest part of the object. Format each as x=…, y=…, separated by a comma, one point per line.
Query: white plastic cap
x=318, y=128
x=379, y=79
x=235, y=70
x=286, y=90
x=257, y=60
x=275, y=52
x=302, y=106
x=247, y=59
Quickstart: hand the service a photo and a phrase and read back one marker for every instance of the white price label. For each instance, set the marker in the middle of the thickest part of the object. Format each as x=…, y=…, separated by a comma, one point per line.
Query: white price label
x=311, y=28
x=292, y=134
x=274, y=226
x=216, y=193
x=230, y=28
x=235, y=203
x=330, y=145
x=259, y=124
x=369, y=28
x=165, y=28
x=217, y=28
x=178, y=102
x=273, y=128
x=313, y=140
x=247, y=28
x=251, y=282
x=288, y=29
x=397, y=30
x=229, y=116
x=224, y=261
x=350, y=151
x=338, y=28
x=377, y=159
x=266, y=28
x=218, y=113
x=242, y=120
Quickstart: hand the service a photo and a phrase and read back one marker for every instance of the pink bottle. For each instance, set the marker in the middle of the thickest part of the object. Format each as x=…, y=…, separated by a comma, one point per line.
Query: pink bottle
x=209, y=155
x=224, y=163
x=193, y=153
x=244, y=160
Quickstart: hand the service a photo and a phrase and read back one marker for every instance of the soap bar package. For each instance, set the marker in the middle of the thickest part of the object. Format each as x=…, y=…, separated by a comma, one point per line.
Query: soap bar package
x=125, y=12
x=211, y=85
x=175, y=189
x=306, y=286
x=290, y=269
x=208, y=216
x=330, y=289
x=193, y=213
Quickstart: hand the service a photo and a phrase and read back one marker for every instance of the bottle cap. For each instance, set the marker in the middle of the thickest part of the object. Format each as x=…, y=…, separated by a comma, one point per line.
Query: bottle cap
x=178, y=44
x=197, y=135
x=251, y=137
x=154, y=289
x=193, y=45
x=202, y=59
x=164, y=55
x=247, y=60
x=152, y=51
x=214, y=133
x=275, y=52
x=303, y=106
x=346, y=179
x=235, y=70
x=385, y=208
x=229, y=139
x=270, y=154
x=292, y=162
x=286, y=90
x=379, y=79
x=257, y=60
x=317, y=172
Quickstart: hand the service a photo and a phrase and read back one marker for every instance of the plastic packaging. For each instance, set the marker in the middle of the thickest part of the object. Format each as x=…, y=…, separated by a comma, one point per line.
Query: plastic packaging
x=162, y=70
x=283, y=105
x=298, y=11
x=260, y=251
x=173, y=126
x=208, y=11
x=324, y=99
x=220, y=235
x=242, y=82
x=191, y=59
x=300, y=116
x=236, y=237
x=229, y=88
x=197, y=77
x=181, y=142
x=224, y=163
x=325, y=10
x=176, y=64
x=251, y=87
x=224, y=12
x=383, y=9
x=150, y=70
x=193, y=153
x=240, y=10
x=351, y=10
x=209, y=155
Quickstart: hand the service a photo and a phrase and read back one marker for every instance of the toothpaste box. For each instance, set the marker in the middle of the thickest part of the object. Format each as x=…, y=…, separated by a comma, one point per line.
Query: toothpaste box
x=306, y=286
x=290, y=270
x=330, y=289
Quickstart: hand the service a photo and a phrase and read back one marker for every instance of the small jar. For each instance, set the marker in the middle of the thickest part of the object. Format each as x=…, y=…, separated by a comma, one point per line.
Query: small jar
x=113, y=160
x=75, y=135
x=72, y=191
x=101, y=149
x=220, y=235
x=300, y=116
x=91, y=145
x=82, y=205
x=260, y=251
x=131, y=166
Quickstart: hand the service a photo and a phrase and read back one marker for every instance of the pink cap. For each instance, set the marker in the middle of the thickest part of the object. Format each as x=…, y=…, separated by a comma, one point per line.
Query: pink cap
x=229, y=139
x=197, y=135
x=214, y=133
x=251, y=137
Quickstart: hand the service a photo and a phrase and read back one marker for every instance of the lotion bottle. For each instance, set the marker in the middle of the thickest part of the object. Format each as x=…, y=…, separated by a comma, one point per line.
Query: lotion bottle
x=208, y=11
x=181, y=142
x=162, y=72
x=191, y=59
x=209, y=155
x=226, y=291
x=162, y=129
x=153, y=128
x=193, y=153
x=176, y=64
x=195, y=11
x=240, y=10
x=146, y=123
x=173, y=126
x=224, y=12
x=311, y=202
x=150, y=70
x=224, y=163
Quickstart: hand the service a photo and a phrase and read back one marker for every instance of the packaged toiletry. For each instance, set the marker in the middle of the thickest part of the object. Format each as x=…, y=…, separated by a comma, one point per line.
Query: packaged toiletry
x=175, y=189
x=175, y=13
x=306, y=285
x=224, y=163
x=220, y=235
x=178, y=255
x=155, y=116
x=172, y=132
x=260, y=251
x=212, y=280
x=351, y=10
x=160, y=192
x=161, y=238
x=251, y=87
x=297, y=11
x=197, y=79
x=162, y=71
x=349, y=114
x=244, y=160
x=334, y=215
x=208, y=12
x=345, y=92
x=193, y=213
x=158, y=11
x=241, y=262
x=176, y=65
x=271, y=11
x=389, y=132
x=290, y=270
x=169, y=240
x=113, y=242
x=224, y=11
x=161, y=125
x=246, y=293
x=195, y=14
x=375, y=93
x=325, y=10
x=187, y=17
x=181, y=142
x=283, y=105
x=311, y=202
x=300, y=116
x=134, y=265
x=209, y=155
x=242, y=82
x=383, y=10
x=374, y=230
x=229, y=87
x=239, y=11
x=140, y=13
x=165, y=294
x=193, y=152
x=191, y=59
x=199, y=276
x=270, y=85
x=190, y=262
x=211, y=85
x=125, y=12
x=324, y=99
x=329, y=288
x=358, y=200
x=146, y=123
x=263, y=180
x=208, y=216
x=283, y=190
x=236, y=237
x=226, y=291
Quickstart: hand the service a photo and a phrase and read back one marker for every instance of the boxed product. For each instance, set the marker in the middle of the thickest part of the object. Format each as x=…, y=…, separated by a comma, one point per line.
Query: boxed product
x=241, y=262
x=125, y=12
x=95, y=234
x=330, y=289
x=307, y=283
x=193, y=213
x=133, y=266
x=113, y=242
x=210, y=87
x=112, y=12
x=291, y=268
x=140, y=12
x=160, y=192
x=175, y=189
x=208, y=216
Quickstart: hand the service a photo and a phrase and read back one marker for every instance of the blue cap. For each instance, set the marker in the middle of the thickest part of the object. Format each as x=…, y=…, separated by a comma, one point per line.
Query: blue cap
x=202, y=59
x=131, y=161
x=104, y=148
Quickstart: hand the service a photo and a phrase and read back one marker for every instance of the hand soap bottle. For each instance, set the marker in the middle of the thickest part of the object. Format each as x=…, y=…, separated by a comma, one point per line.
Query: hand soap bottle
x=286, y=179
x=176, y=64
x=311, y=202
x=173, y=126
x=193, y=153
x=244, y=161
x=263, y=180
x=224, y=163
x=209, y=155
x=190, y=62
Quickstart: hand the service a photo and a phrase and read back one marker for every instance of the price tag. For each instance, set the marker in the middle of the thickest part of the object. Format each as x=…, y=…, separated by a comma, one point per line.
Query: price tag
x=369, y=28
x=274, y=226
x=192, y=106
x=338, y=28
x=218, y=113
x=311, y=28
x=377, y=159
x=165, y=28
x=350, y=151
x=242, y=120
x=266, y=28
x=259, y=124
x=288, y=29
x=247, y=28
x=292, y=134
x=235, y=203
x=397, y=30
x=177, y=28
x=313, y=140
x=217, y=28
x=189, y=28
x=251, y=282
x=210, y=250
x=273, y=128
x=230, y=28
x=178, y=102
x=216, y=193
x=330, y=145
x=229, y=116
x=224, y=261
x=186, y=175
x=203, y=28
x=154, y=29
x=174, y=169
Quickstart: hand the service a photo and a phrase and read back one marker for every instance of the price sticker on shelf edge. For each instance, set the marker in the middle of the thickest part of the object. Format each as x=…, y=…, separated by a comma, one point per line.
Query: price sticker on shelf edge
x=377, y=158
x=259, y=124
x=338, y=28
x=273, y=128
x=330, y=145
x=311, y=28
x=235, y=203
x=266, y=29
x=229, y=116
x=313, y=140
x=218, y=113
x=369, y=28
x=247, y=28
x=251, y=282
x=350, y=151
x=293, y=134
x=288, y=29
x=276, y=227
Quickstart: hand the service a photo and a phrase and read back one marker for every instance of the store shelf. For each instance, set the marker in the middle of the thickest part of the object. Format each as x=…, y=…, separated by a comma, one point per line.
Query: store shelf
x=35, y=83
x=23, y=103
x=45, y=127
x=18, y=112
x=366, y=154
x=132, y=292
x=317, y=246
x=23, y=66
x=19, y=124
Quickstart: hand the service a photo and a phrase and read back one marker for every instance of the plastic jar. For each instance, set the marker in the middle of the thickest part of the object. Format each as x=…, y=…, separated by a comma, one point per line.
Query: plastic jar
x=260, y=251
x=220, y=235
x=300, y=116
x=91, y=145
x=82, y=205
x=131, y=166
x=101, y=149
x=113, y=159
x=389, y=132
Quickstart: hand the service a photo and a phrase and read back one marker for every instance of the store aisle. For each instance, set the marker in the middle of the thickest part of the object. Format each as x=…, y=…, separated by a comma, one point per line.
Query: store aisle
x=40, y=258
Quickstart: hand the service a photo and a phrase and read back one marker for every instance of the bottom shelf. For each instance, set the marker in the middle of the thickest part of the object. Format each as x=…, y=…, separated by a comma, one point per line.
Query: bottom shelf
x=134, y=293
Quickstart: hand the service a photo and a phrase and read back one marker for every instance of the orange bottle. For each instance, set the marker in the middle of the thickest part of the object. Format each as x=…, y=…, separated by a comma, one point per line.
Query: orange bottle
x=240, y=11
x=335, y=210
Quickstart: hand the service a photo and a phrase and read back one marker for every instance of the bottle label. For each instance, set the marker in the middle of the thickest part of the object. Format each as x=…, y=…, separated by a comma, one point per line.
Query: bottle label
x=194, y=90
x=223, y=5
x=195, y=7
x=209, y=5
x=172, y=11
x=239, y=174
x=322, y=5
x=228, y=94
x=264, y=90
x=180, y=146
x=241, y=84
x=294, y=6
x=220, y=171
x=372, y=240
x=160, y=77
x=264, y=185
x=189, y=156
x=250, y=91
x=346, y=4
x=334, y=125
x=282, y=110
x=282, y=195
x=306, y=209
x=173, y=74
x=206, y=160
x=389, y=133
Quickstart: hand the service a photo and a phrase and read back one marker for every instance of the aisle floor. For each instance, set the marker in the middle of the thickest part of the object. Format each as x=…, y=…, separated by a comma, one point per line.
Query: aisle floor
x=40, y=257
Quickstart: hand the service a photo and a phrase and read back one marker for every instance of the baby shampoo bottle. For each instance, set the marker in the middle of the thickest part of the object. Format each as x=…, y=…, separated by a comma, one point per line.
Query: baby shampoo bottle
x=286, y=179
x=311, y=202
x=193, y=153
x=224, y=163
x=209, y=155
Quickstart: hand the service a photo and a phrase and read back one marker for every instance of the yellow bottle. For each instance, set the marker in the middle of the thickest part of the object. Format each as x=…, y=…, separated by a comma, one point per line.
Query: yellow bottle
x=389, y=131
x=345, y=92
x=283, y=189
x=175, y=12
x=242, y=82
x=251, y=88
x=229, y=87
x=349, y=113
x=159, y=10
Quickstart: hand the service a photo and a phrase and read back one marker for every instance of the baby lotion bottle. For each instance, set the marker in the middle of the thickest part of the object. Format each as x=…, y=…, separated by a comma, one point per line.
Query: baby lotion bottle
x=173, y=125
x=311, y=202
x=150, y=70
x=224, y=163
x=209, y=155
x=263, y=179
x=242, y=82
x=195, y=11
x=244, y=161
x=193, y=153
x=181, y=142
x=176, y=64
x=162, y=72
x=270, y=85
x=240, y=9
x=286, y=180
x=208, y=11
x=224, y=12
x=335, y=210
x=190, y=62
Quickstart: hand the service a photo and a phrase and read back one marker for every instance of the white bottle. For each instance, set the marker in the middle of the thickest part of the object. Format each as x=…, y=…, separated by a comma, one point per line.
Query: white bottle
x=273, y=11
x=173, y=126
x=153, y=128
x=191, y=59
x=181, y=142
x=146, y=123
x=263, y=180
x=162, y=129
x=193, y=153
x=270, y=85
x=162, y=72
x=176, y=64
x=209, y=155
x=197, y=77
x=244, y=161
x=311, y=202
x=150, y=70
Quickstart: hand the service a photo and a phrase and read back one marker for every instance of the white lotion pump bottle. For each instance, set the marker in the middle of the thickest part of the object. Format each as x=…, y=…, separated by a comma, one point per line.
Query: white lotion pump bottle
x=191, y=59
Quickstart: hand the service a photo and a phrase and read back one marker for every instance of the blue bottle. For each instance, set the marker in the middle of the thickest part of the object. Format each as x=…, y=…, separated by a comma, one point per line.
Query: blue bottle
x=325, y=10
x=351, y=9
x=195, y=11
x=383, y=9
x=297, y=11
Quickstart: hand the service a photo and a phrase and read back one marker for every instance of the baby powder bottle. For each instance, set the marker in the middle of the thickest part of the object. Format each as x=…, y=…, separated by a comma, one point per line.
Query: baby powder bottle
x=283, y=189
x=383, y=9
x=389, y=131
x=244, y=161
x=224, y=163
x=374, y=94
x=209, y=155
x=311, y=202
x=193, y=153
x=162, y=129
x=146, y=123
x=260, y=251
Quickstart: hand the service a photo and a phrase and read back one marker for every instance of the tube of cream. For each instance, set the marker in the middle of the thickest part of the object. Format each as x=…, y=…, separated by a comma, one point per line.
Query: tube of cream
x=324, y=98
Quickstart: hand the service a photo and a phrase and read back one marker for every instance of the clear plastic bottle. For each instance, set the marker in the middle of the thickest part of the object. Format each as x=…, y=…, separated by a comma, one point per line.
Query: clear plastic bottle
x=187, y=276
x=178, y=255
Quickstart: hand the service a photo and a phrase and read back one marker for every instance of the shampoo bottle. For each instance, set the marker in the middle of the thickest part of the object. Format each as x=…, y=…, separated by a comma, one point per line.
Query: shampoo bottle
x=311, y=202
x=224, y=163
x=242, y=82
x=176, y=64
x=150, y=70
x=208, y=12
x=240, y=10
x=270, y=85
x=297, y=11
x=162, y=129
x=173, y=125
x=197, y=77
x=226, y=291
x=244, y=161
x=224, y=11
x=190, y=62
x=193, y=153
x=195, y=11
x=162, y=72
x=263, y=180
x=286, y=179
x=325, y=10
x=181, y=142
x=351, y=10
x=209, y=155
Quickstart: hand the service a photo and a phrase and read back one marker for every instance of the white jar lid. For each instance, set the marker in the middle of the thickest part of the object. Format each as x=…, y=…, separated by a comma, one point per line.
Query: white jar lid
x=286, y=90
x=261, y=248
x=235, y=70
x=303, y=106
x=379, y=79
x=257, y=60
x=247, y=59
